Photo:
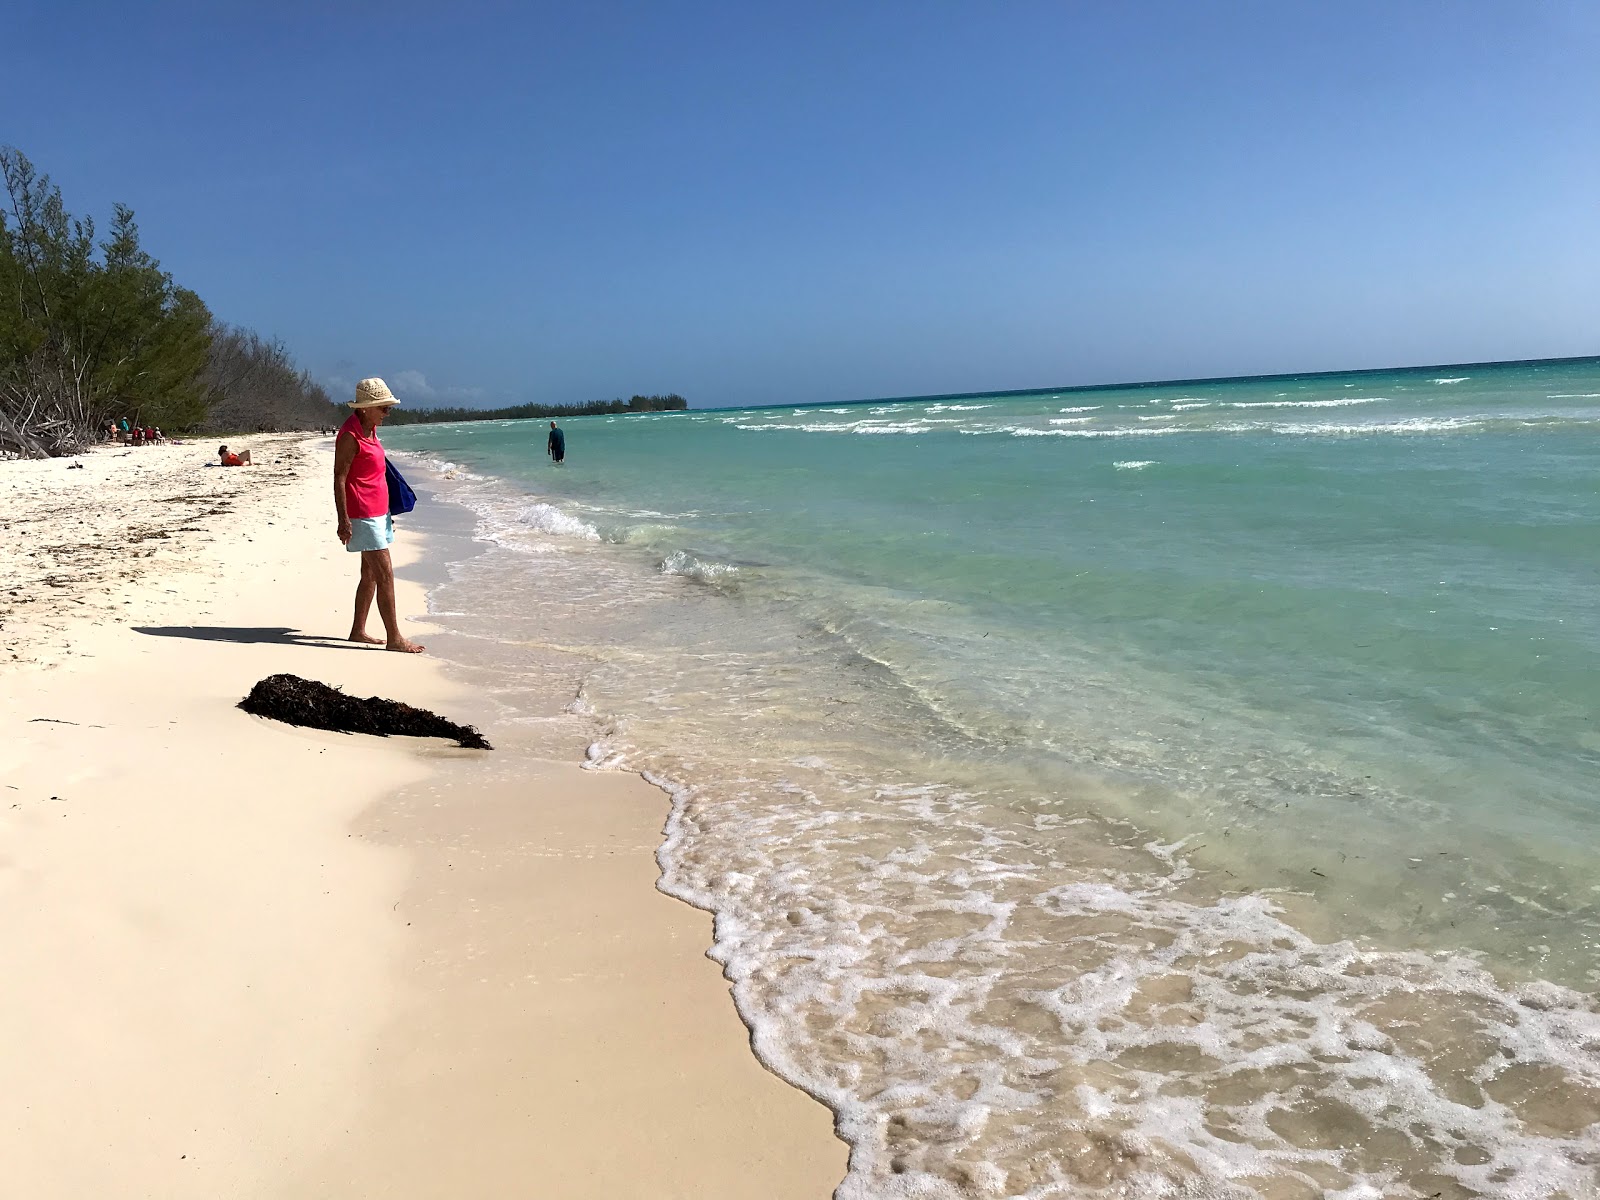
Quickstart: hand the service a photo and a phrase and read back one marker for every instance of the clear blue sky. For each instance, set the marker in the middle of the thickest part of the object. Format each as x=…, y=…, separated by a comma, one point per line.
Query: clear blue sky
x=759, y=202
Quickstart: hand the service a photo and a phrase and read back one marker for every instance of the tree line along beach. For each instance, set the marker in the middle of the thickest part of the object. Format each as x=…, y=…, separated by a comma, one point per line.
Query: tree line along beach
x=95, y=331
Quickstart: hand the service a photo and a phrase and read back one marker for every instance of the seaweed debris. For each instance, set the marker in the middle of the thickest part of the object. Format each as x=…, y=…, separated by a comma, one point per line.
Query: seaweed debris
x=297, y=701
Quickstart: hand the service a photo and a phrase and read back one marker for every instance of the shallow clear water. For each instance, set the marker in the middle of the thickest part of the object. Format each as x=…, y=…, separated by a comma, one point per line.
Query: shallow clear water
x=1154, y=789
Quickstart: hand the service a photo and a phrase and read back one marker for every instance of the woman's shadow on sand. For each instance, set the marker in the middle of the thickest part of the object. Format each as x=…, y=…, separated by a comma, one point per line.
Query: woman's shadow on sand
x=271, y=635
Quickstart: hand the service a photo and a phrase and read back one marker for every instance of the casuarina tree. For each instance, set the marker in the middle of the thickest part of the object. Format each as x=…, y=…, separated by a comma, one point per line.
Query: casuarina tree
x=88, y=331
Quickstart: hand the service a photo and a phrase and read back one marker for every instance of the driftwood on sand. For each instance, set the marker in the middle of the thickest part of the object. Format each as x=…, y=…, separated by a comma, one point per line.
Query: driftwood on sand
x=298, y=701
x=40, y=438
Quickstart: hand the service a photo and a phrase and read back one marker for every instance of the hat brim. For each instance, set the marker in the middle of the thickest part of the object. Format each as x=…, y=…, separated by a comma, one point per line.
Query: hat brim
x=390, y=403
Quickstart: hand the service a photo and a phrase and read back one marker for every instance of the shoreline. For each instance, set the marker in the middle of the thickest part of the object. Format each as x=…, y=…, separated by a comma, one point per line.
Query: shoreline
x=992, y=982
x=229, y=938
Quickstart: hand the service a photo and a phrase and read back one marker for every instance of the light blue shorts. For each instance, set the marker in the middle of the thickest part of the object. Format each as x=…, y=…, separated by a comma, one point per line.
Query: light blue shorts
x=370, y=533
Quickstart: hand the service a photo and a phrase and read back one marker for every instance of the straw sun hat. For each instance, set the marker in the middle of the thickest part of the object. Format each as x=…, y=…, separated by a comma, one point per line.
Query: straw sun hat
x=373, y=393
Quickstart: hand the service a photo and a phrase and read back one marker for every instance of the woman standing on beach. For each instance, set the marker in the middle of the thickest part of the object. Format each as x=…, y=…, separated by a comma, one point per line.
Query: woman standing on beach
x=361, y=498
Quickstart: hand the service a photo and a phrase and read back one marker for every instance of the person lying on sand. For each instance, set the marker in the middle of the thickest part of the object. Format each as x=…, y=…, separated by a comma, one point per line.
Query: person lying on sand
x=361, y=500
x=241, y=459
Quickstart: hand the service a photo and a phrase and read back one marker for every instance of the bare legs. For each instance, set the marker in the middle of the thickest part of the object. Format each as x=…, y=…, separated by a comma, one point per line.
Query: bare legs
x=377, y=581
x=365, y=590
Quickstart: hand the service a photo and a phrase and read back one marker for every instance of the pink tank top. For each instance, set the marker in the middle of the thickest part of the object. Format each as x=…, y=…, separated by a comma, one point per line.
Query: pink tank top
x=366, y=490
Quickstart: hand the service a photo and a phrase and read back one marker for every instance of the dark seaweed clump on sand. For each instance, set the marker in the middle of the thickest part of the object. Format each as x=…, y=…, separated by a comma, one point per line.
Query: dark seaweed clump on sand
x=297, y=701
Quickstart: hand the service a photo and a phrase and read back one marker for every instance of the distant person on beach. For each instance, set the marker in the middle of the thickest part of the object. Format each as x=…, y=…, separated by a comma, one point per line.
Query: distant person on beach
x=556, y=447
x=361, y=499
x=230, y=459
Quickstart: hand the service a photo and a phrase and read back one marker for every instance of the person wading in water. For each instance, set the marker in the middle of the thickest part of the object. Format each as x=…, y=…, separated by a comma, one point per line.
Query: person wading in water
x=556, y=446
x=361, y=498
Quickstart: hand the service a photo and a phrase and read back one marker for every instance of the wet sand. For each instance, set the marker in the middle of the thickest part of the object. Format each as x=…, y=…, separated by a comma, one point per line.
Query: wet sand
x=255, y=960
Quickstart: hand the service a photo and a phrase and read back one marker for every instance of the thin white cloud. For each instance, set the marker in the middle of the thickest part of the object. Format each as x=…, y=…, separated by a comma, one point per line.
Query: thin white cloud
x=414, y=384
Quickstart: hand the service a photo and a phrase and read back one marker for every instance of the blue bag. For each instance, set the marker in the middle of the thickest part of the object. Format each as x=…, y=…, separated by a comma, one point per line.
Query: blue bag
x=401, y=498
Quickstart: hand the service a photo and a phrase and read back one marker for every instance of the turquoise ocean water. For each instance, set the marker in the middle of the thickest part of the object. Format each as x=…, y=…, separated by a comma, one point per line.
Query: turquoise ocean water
x=1160, y=790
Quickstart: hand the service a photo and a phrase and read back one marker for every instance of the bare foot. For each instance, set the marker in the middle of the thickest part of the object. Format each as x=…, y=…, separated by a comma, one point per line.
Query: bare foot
x=405, y=647
x=365, y=637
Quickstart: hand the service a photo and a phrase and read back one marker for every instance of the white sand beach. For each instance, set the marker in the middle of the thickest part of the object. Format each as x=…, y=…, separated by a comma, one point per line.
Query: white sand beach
x=246, y=959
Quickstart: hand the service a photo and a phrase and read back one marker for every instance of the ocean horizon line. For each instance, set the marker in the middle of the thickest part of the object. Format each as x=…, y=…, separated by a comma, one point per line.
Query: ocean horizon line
x=1126, y=385
x=1135, y=385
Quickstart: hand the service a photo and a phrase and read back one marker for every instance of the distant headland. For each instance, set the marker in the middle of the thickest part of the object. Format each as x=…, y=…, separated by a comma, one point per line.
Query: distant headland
x=521, y=412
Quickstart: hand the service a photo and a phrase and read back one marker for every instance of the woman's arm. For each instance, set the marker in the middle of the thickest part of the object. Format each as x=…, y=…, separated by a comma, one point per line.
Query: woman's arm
x=344, y=453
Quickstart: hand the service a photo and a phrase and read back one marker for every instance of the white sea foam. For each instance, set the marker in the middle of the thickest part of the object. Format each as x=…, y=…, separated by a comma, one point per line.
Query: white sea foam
x=1457, y=379
x=982, y=1029
x=1028, y=431
x=1412, y=425
x=934, y=408
x=862, y=426
x=1183, y=406
x=547, y=518
x=1069, y=420
x=442, y=467
x=681, y=562
x=1162, y=417
x=805, y=427
x=1137, y=464
x=1081, y=408
x=1573, y=396
x=1343, y=402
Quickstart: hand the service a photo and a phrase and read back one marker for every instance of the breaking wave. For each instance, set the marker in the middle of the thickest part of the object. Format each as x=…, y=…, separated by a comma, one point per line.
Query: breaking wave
x=681, y=562
x=1343, y=402
x=547, y=518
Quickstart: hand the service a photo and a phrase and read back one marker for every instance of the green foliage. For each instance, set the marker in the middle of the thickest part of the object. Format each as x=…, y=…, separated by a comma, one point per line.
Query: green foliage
x=88, y=331
x=92, y=331
x=421, y=416
x=156, y=336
